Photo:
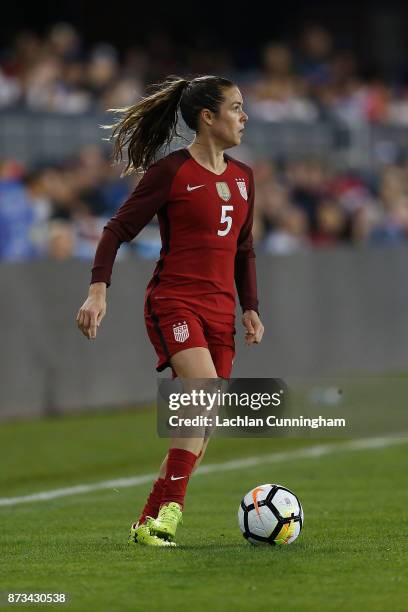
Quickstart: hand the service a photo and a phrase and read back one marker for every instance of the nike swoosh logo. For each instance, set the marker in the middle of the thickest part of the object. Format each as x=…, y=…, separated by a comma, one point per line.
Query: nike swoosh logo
x=177, y=477
x=189, y=188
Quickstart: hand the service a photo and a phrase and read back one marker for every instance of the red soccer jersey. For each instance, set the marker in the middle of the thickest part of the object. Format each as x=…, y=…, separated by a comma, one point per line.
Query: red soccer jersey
x=205, y=226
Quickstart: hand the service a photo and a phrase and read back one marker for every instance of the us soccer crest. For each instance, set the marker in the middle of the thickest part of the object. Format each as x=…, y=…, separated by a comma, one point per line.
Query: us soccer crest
x=242, y=188
x=223, y=191
x=181, y=332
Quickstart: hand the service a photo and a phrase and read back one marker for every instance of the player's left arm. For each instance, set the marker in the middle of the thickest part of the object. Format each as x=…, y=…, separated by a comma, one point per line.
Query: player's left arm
x=245, y=275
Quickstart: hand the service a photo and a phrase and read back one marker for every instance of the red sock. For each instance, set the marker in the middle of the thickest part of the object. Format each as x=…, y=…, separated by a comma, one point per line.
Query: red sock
x=180, y=464
x=153, y=502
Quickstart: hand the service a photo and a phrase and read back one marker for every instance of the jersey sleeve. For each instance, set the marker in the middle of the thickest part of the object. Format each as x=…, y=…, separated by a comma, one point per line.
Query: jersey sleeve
x=245, y=270
x=148, y=197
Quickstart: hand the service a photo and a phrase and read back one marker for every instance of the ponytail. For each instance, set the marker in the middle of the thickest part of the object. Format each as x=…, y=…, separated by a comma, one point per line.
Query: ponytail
x=148, y=125
x=151, y=123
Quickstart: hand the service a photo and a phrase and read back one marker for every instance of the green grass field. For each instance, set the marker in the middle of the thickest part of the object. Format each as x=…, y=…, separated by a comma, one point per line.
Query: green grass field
x=352, y=553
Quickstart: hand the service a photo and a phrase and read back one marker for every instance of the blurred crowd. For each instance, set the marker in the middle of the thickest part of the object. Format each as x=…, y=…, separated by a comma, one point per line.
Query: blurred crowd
x=58, y=211
x=309, y=78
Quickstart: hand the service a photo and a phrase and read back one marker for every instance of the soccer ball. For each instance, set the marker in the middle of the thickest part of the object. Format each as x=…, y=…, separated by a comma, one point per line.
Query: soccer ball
x=270, y=514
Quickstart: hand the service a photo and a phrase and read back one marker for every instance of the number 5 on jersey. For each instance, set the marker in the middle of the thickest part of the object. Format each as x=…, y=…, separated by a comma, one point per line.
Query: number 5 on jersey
x=225, y=219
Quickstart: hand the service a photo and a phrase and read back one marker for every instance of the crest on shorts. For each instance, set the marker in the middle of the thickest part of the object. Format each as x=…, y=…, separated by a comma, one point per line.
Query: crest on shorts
x=242, y=188
x=223, y=191
x=181, y=332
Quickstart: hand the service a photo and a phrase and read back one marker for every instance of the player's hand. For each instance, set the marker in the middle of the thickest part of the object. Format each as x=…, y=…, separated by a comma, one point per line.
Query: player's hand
x=253, y=326
x=92, y=310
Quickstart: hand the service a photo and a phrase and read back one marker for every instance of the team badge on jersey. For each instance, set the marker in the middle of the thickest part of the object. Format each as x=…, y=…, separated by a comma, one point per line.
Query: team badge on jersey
x=223, y=191
x=242, y=188
x=181, y=332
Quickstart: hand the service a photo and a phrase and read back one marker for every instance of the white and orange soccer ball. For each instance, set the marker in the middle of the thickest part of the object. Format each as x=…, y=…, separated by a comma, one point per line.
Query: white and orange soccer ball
x=270, y=514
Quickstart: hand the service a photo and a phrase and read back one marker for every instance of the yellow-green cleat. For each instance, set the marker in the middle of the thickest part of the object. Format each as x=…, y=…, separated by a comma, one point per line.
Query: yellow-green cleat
x=169, y=518
x=140, y=534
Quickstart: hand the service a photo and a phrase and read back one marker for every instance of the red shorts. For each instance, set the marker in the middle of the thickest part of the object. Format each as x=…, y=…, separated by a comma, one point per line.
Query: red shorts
x=181, y=328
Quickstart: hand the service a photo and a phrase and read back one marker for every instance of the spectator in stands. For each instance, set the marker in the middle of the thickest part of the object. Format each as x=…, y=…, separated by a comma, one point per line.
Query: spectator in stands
x=16, y=216
x=61, y=240
x=307, y=181
x=331, y=224
x=278, y=95
x=315, y=54
x=41, y=206
x=392, y=227
x=290, y=234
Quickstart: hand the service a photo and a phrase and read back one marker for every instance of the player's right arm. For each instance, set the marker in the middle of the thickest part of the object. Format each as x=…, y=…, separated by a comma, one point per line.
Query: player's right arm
x=136, y=212
x=92, y=310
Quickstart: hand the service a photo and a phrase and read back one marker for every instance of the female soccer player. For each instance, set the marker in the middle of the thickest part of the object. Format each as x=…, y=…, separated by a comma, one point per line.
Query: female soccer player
x=204, y=201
